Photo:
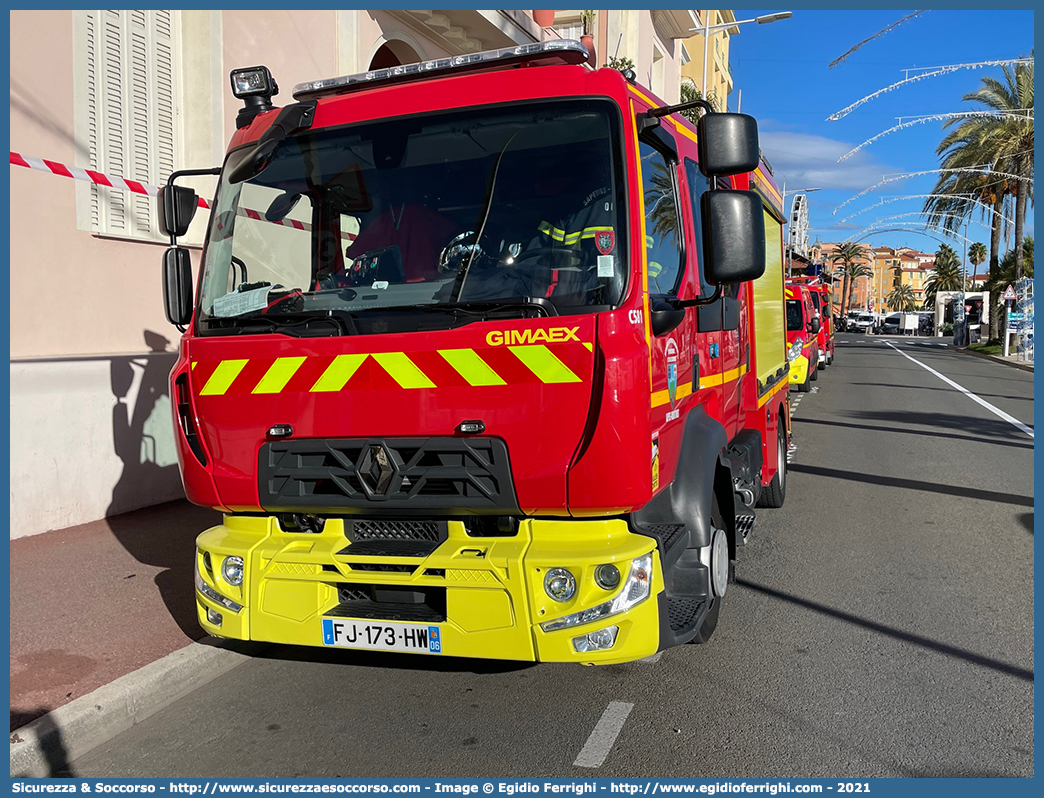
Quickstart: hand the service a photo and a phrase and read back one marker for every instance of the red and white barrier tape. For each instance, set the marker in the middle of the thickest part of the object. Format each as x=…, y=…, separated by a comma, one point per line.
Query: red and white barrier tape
x=76, y=173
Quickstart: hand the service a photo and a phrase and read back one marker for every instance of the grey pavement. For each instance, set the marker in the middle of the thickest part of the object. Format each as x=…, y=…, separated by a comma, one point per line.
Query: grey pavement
x=881, y=625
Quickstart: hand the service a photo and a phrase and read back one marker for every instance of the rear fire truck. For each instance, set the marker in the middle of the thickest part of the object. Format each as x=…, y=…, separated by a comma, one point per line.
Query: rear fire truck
x=819, y=293
x=484, y=361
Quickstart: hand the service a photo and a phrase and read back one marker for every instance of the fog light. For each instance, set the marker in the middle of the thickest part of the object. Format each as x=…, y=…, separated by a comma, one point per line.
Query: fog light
x=232, y=570
x=560, y=584
x=607, y=577
x=213, y=616
x=597, y=640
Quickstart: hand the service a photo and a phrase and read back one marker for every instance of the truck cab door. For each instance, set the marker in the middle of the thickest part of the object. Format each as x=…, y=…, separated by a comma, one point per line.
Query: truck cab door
x=735, y=356
x=672, y=351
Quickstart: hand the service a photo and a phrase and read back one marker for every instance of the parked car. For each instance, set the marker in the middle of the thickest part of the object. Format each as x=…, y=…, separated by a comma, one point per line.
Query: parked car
x=860, y=321
x=892, y=324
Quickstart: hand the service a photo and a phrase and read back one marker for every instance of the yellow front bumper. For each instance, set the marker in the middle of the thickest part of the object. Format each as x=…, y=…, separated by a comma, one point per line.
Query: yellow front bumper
x=799, y=370
x=494, y=594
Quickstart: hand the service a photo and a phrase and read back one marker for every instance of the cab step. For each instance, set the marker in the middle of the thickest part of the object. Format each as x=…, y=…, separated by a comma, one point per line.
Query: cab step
x=744, y=526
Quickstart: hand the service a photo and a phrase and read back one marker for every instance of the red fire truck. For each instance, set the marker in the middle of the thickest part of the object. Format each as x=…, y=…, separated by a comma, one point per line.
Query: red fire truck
x=803, y=328
x=484, y=360
x=819, y=293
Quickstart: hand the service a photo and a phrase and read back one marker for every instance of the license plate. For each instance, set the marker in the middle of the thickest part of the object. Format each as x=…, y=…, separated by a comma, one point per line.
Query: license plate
x=382, y=635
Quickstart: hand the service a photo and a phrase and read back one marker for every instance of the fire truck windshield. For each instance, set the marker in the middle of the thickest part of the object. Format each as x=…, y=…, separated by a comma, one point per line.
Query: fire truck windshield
x=475, y=207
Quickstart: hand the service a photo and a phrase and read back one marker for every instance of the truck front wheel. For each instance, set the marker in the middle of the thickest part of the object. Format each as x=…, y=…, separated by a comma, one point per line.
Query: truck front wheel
x=776, y=493
x=722, y=573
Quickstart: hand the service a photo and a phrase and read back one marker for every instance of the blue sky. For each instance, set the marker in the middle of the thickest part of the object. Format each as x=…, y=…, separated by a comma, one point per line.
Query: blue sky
x=782, y=69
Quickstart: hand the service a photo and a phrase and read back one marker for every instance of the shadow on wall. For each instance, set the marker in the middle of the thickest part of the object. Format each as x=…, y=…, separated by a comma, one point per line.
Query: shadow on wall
x=160, y=535
x=142, y=428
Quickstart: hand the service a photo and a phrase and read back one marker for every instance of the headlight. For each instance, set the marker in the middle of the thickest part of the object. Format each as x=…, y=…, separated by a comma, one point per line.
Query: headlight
x=795, y=349
x=232, y=570
x=560, y=584
x=212, y=594
x=607, y=577
x=636, y=589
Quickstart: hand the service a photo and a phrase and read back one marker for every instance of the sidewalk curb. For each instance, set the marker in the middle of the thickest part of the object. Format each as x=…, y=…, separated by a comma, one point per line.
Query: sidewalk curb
x=998, y=359
x=41, y=748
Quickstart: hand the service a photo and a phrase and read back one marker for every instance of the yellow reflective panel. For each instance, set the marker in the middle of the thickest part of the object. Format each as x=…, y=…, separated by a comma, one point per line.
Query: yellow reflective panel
x=403, y=370
x=339, y=372
x=542, y=362
x=471, y=367
x=278, y=375
x=223, y=377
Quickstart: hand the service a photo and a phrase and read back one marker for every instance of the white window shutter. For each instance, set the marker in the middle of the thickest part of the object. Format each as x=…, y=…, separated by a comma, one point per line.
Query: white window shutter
x=131, y=111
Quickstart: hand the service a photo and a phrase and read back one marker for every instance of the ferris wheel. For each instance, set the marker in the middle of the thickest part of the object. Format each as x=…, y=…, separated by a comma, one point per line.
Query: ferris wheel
x=798, y=235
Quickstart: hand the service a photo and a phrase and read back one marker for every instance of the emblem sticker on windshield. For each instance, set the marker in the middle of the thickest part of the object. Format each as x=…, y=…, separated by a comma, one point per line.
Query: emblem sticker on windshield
x=605, y=240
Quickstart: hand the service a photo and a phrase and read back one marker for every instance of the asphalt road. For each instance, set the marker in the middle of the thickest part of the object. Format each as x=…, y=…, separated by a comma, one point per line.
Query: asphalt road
x=881, y=625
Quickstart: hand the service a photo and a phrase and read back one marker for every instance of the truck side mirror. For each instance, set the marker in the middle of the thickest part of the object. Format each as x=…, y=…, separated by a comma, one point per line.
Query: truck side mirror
x=814, y=326
x=727, y=144
x=733, y=236
x=177, y=285
x=177, y=205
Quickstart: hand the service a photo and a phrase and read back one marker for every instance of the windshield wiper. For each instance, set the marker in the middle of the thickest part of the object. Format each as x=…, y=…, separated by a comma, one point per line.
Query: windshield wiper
x=294, y=322
x=482, y=307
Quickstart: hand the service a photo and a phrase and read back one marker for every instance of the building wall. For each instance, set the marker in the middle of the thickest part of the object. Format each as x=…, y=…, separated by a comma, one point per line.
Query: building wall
x=719, y=76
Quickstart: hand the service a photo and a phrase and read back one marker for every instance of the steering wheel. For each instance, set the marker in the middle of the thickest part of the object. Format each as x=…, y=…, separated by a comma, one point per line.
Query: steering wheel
x=459, y=251
x=553, y=254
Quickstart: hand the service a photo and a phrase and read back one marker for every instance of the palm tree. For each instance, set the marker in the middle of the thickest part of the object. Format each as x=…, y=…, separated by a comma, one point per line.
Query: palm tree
x=946, y=275
x=855, y=271
x=848, y=253
x=976, y=255
x=1003, y=143
x=1005, y=274
x=901, y=298
x=660, y=207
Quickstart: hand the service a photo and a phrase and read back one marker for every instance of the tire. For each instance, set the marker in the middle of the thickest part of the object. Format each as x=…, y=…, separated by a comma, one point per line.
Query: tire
x=815, y=372
x=776, y=492
x=806, y=386
x=710, y=620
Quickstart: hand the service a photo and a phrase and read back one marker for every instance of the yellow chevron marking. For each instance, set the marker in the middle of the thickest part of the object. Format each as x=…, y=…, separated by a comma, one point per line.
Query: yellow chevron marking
x=278, y=375
x=542, y=362
x=223, y=377
x=338, y=373
x=589, y=345
x=194, y=365
x=468, y=364
x=403, y=370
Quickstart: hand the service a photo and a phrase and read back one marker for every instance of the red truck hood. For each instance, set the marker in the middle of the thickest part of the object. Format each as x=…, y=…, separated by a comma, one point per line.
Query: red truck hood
x=529, y=381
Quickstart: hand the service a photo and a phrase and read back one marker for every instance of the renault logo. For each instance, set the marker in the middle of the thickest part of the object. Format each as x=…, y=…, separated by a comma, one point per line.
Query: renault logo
x=378, y=467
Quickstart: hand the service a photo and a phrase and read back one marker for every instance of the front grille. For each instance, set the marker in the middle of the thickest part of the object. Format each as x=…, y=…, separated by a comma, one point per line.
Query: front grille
x=397, y=530
x=378, y=602
x=450, y=475
x=682, y=612
x=401, y=569
x=388, y=548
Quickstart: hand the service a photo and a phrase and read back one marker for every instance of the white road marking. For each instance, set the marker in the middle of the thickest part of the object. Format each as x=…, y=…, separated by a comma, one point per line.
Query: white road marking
x=995, y=410
x=598, y=745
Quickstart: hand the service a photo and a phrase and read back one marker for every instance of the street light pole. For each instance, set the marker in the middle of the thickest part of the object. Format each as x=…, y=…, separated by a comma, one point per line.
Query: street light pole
x=707, y=29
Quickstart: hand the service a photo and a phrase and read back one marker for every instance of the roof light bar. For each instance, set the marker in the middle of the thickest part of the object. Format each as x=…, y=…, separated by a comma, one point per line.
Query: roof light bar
x=560, y=51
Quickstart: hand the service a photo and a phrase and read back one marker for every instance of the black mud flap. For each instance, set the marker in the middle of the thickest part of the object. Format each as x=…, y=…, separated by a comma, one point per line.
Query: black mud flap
x=678, y=518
